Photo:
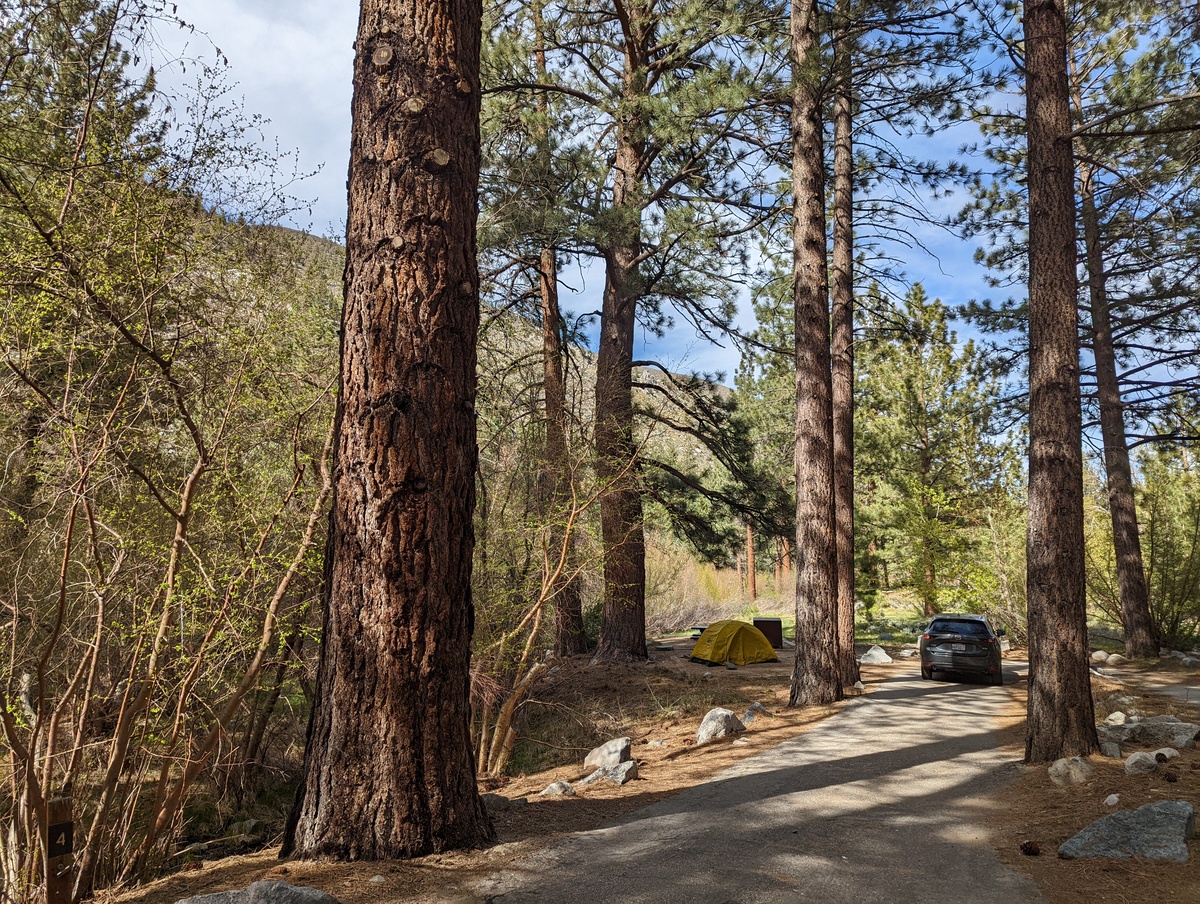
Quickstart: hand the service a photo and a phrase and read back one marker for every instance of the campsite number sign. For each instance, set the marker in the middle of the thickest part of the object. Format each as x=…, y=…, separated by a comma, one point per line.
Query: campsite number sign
x=60, y=845
x=62, y=840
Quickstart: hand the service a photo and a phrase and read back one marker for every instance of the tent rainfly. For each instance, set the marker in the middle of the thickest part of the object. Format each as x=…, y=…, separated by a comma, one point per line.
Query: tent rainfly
x=733, y=641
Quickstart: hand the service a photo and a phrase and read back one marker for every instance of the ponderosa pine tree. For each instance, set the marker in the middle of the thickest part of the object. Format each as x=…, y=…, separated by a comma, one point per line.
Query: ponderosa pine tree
x=1061, y=721
x=888, y=75
x=1140, y=640
x=669, y=103
x=540, y=178
x=1124, y=56
x=816, y=678
x=623, y=618
x=842, y=333
x=569, y=636
x=1125, y=63
x=388, y=768
x=535, y=181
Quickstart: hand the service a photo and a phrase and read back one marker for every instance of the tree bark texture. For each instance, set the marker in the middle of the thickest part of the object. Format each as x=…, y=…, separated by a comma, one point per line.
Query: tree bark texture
x=816, y=676
x=1061, y=719
x=1140, y=642
x=388, y=768
x=569, y=636
x=842, y=274
x=751, y=567
x=623, y=616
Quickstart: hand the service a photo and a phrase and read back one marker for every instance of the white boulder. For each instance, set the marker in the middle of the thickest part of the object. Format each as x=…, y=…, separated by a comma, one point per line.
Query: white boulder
x=718, y=723
x=876, y=655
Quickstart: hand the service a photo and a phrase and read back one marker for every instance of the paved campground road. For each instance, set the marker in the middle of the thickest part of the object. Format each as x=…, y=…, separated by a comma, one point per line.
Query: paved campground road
x=883, y=802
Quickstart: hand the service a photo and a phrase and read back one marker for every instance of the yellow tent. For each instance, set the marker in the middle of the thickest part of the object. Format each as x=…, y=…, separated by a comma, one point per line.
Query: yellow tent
x=733, y=641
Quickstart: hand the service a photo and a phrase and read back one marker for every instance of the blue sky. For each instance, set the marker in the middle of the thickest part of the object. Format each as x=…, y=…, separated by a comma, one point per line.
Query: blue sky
x=292, y=63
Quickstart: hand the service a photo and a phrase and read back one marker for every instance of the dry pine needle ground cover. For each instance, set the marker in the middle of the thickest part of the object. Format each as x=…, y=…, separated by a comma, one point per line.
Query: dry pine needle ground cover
x=659, y=705
x=1035, y=809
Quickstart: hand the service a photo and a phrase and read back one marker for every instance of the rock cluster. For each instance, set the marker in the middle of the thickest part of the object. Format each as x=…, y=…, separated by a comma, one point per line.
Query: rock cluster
x=613, y=761
x=1187, y=660
x=1163, y=736
x=1157, y=731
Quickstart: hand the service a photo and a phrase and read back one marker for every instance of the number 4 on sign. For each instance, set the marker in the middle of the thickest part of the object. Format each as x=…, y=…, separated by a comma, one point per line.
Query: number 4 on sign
x=62, y=840
x=60, y=845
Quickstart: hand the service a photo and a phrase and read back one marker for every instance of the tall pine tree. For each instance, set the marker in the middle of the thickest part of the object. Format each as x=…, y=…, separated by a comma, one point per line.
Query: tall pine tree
x=388, y=767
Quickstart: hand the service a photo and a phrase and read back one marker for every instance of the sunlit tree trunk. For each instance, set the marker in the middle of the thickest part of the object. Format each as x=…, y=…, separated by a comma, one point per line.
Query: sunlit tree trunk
x=623, y=617
x=816, y=676
x=1061, y=719
x=1140, y=642
x=843, y=343
x=388, y=768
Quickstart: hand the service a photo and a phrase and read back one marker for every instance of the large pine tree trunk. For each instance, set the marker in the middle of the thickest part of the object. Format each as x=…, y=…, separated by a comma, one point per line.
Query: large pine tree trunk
x=816, y=677
x=1061, y=719
x=569, y=636
x=388, y=770
x=1140, y=642
x=623, y=617
x=843, y=344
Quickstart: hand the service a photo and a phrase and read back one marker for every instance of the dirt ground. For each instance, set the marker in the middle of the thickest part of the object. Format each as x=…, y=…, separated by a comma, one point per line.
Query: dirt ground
x=1035, y=809
x=659, y=705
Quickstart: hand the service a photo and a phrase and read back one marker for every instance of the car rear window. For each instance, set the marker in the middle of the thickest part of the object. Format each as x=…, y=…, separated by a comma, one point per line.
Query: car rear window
x=952, y=626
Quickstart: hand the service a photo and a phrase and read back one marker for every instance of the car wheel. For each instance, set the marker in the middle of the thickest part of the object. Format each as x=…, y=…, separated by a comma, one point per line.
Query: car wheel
x=926, y=673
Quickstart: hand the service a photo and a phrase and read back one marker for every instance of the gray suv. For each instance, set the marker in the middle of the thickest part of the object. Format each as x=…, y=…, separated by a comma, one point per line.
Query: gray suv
x=961, y=643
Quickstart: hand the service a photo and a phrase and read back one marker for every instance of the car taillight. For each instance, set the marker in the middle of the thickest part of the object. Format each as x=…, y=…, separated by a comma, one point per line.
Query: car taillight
x=991, y=640
x=924, y=637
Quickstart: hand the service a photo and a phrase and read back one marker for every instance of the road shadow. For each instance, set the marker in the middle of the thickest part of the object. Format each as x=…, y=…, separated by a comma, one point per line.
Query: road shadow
x=853, y=805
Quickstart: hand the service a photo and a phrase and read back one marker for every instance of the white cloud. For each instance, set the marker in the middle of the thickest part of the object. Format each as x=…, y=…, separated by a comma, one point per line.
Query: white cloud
x=292, y=61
